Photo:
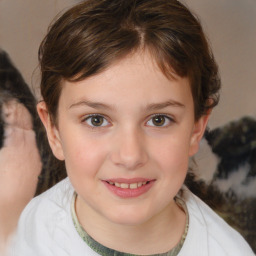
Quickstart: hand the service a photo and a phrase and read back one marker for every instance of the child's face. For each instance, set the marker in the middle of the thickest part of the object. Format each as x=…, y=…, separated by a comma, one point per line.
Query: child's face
x=125, y=127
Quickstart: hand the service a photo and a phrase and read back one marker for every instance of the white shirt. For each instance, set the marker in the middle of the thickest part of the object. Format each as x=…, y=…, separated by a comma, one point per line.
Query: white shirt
x=46, y=229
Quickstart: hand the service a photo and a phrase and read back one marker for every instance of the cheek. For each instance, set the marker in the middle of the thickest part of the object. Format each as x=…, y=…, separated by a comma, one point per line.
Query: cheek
x=172, y=150
x=83, y=157
x=172, y=155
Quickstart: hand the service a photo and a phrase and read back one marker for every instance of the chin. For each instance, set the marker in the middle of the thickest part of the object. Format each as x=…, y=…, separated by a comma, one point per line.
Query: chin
x=129, y=218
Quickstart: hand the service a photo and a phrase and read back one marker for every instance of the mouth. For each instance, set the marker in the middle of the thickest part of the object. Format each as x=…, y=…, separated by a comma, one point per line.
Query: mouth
x=129, y=188
x=134, y=185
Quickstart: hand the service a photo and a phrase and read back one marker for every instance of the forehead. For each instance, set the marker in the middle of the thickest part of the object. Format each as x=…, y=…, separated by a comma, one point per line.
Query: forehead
x=135, y=79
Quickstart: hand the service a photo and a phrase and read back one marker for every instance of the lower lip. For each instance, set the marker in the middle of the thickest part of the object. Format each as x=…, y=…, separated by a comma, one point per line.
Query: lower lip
x=127, y=192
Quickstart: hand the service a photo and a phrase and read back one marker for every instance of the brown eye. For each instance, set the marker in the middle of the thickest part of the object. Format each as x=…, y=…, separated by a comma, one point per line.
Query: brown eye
x=96, y=121
x=159, y=120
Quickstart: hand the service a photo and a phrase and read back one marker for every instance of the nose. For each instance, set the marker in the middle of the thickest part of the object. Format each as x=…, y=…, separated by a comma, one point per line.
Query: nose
x=129, y=150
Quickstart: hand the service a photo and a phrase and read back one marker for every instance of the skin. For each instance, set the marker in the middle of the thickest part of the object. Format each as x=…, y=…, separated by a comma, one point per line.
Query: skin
x=20, y=166
x=128, y=144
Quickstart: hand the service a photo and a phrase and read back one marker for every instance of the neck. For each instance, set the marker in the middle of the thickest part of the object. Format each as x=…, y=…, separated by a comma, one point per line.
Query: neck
x=142, y=238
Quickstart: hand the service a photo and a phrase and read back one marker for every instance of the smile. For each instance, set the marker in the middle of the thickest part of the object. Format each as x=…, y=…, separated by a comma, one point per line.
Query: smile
x=129, y=188
x=127, y=185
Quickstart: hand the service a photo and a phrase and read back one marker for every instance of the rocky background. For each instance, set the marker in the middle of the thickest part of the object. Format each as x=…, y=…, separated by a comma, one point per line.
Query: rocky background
x=13, y=87
x=224, y=174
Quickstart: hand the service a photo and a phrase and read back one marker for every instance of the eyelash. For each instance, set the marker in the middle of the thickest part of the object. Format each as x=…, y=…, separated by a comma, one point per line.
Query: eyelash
x=166, y=117
x=89, y=117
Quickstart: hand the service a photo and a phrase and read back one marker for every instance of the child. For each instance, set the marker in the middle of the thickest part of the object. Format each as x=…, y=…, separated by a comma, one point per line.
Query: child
x=127, y=87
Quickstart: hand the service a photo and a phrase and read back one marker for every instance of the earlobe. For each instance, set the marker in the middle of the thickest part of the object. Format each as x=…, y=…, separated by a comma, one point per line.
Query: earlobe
x=51, y=130
x=198, y=132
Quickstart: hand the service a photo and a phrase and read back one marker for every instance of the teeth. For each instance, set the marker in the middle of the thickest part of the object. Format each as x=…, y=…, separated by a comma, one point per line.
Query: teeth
x=133, y=185
x=117, y=184
x=126, y=185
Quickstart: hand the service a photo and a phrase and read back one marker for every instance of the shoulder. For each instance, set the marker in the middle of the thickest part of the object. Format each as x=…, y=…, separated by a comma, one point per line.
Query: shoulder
x=41, y=220
x=56, y=199
x=209, y=233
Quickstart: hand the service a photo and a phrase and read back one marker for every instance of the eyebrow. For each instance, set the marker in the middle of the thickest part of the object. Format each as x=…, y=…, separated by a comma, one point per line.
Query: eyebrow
x=150, y=107
x=170, y=103
x=95, y=105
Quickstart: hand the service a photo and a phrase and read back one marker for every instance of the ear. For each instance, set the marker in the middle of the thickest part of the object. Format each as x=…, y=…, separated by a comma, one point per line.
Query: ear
x=198, y=132
x=51, y=130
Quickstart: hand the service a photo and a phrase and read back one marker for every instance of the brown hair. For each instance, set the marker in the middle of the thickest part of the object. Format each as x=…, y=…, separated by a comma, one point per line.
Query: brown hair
x=89, y=37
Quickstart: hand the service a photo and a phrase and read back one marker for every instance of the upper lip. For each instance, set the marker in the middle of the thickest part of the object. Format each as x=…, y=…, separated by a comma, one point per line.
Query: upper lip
x=128, y=181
